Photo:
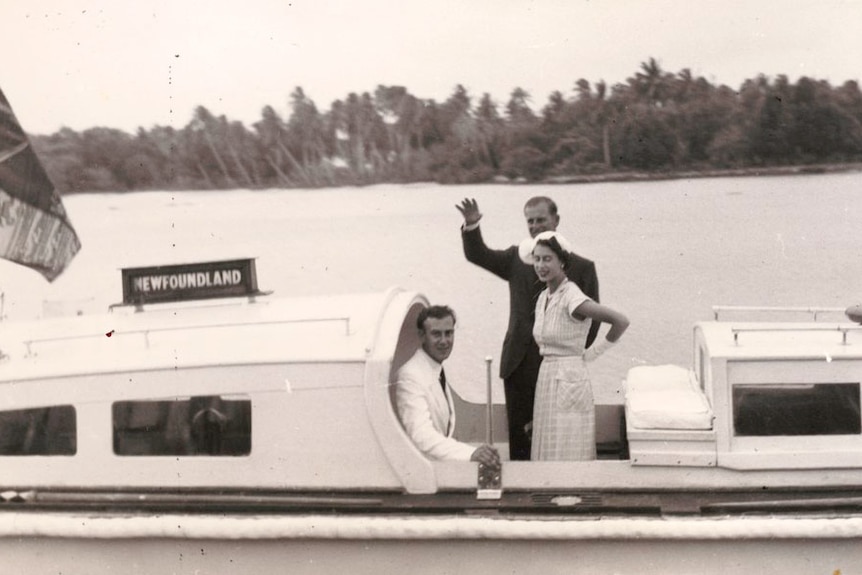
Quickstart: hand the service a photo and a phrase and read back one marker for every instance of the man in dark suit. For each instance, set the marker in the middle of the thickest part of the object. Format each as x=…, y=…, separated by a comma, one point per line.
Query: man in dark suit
x=520, y=359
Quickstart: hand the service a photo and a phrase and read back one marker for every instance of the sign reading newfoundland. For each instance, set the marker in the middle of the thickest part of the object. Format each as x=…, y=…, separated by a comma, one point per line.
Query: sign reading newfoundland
x=184, y=282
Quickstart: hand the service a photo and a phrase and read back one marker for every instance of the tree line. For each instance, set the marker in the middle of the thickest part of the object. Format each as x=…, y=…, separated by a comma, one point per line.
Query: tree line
x=655, y=121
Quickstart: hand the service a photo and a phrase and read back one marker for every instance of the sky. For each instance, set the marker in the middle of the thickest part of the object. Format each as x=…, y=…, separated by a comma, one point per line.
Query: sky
x=127, y=64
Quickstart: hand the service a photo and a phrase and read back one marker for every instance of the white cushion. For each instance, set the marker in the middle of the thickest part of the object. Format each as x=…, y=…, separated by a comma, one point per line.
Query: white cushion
x=665, y=397
x=669, y=409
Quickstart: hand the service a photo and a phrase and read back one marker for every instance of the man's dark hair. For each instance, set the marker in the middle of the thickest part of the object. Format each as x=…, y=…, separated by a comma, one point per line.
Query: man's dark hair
x=536, y=200
x=555, y=247
x=435, y=311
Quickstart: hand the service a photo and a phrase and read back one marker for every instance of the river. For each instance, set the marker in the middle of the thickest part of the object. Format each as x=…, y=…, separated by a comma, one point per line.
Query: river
x=665, y=251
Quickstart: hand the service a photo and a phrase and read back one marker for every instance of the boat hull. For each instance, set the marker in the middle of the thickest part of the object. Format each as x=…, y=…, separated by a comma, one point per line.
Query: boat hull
x=74, y=543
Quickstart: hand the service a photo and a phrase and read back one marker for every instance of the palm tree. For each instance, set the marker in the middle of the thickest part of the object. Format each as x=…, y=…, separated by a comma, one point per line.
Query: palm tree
x=305, y=135
x=271, y=129
x=401, y=112
x=490, y=129
x=205, y=125
x=651, y=84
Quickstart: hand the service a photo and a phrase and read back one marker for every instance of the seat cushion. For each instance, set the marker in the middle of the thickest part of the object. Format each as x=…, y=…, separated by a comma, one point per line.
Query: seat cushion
x=665, y=397
x=669, y=409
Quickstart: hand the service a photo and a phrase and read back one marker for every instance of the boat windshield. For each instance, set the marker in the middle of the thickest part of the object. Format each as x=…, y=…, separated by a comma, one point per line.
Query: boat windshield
x=804, y=409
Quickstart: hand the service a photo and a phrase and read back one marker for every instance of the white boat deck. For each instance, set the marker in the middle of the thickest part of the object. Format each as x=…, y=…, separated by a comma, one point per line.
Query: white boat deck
x=213, y=332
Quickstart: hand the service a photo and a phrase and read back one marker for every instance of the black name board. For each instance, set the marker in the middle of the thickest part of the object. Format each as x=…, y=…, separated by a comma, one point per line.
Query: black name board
x=183, y=282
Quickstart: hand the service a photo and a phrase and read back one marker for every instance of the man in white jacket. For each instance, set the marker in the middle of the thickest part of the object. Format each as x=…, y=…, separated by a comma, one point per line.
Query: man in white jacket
x=424, y=399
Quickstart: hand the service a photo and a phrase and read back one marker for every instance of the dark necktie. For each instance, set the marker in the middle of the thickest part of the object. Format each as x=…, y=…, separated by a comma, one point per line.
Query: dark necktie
x=443, y=379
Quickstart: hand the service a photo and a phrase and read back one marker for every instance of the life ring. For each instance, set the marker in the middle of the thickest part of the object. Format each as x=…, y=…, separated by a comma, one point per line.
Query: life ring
x=854, y=312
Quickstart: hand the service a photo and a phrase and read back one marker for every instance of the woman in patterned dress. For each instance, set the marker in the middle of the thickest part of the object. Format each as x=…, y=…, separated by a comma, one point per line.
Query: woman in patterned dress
x=564, y=425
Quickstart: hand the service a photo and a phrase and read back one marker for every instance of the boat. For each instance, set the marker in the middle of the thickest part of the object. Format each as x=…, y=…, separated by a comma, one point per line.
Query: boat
x=206, y=423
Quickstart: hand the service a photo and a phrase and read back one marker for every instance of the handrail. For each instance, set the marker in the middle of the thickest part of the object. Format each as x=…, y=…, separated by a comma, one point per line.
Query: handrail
x=221, y=301
x=842, y=329
x=717, y=309
x=147, y=331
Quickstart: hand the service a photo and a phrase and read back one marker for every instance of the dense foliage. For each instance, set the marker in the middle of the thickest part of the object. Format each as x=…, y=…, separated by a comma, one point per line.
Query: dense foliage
x=654, y=122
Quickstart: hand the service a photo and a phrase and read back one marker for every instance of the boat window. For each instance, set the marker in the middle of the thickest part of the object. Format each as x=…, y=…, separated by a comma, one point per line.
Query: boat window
x=203, y=425
x=41, y=431
x=801, y=409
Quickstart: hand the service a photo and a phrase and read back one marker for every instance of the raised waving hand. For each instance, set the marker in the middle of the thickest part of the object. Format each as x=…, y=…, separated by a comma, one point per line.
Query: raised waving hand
x=469, y=208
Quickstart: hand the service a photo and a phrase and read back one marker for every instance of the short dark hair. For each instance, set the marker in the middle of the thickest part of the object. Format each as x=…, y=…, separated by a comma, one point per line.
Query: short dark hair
x=536, y=200
x=435, y=311
x=554, y=246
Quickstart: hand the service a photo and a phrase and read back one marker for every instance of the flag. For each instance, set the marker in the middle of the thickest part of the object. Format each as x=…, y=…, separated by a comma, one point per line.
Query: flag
x=34, y=229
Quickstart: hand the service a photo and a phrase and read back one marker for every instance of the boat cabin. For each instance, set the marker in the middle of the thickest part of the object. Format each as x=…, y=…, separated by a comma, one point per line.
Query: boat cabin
x=199, y=381
x=777, y=394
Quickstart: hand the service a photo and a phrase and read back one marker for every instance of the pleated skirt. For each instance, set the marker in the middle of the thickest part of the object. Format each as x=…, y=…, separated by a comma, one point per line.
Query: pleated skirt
x=564, y=417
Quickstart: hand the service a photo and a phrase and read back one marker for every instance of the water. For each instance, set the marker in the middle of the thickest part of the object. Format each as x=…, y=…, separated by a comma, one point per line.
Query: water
x=665, y=251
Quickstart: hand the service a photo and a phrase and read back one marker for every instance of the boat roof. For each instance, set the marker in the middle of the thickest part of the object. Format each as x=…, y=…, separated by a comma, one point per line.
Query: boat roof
x=755, y=340
x=226, y=331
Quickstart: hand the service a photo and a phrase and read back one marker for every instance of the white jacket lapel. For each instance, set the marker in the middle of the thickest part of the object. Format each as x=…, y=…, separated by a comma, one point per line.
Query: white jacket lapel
x=443, y=411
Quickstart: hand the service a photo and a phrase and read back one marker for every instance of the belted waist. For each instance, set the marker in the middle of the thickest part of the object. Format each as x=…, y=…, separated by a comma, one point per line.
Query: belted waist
x=563, y=357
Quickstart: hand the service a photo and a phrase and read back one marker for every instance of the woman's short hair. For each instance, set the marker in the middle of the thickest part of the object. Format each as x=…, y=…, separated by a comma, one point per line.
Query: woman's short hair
x=554, y=246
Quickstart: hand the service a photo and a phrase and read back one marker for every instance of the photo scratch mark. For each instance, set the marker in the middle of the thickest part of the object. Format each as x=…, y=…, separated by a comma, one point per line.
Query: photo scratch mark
x=780, y=241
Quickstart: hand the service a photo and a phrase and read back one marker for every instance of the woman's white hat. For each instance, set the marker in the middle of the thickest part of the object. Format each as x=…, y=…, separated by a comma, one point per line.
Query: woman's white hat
x=525, y=248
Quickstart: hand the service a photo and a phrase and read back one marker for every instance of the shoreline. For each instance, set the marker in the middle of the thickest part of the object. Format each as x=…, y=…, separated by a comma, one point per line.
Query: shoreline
x=632, y=176
x=804, y=170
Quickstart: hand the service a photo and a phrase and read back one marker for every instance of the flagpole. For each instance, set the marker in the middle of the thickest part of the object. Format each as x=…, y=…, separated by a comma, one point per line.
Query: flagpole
x=489, y=428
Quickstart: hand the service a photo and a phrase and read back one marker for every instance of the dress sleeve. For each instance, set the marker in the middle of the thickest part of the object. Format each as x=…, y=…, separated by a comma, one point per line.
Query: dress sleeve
x=574, y=297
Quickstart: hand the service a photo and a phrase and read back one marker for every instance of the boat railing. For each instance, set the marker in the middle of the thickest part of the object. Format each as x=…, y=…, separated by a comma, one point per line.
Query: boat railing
x=146, y=332
x=843, y=330
x=814, y=312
